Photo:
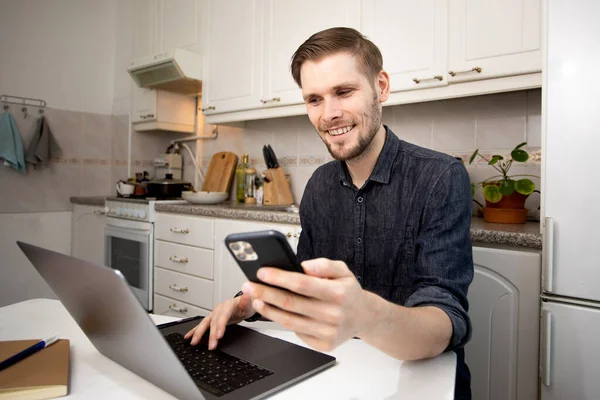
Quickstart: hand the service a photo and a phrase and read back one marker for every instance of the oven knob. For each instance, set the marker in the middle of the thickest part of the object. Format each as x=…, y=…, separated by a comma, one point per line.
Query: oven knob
x=130, y=212
x=142, y=214
x=119, y=211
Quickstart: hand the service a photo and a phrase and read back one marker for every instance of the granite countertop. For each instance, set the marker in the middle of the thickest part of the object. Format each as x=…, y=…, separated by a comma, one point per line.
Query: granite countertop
x=521, y=235
x=88, y=200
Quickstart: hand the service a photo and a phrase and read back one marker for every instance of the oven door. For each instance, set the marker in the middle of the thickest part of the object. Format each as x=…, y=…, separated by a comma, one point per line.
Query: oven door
x=129, y=249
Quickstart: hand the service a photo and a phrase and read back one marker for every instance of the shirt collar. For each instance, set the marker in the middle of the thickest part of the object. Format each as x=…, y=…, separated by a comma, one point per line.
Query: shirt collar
x=383, y=167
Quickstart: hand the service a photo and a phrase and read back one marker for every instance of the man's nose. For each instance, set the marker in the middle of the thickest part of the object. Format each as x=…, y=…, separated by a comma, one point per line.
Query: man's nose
x=332, y=110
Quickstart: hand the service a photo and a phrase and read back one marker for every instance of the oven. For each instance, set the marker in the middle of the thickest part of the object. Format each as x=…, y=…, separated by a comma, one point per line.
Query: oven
x=129, y=248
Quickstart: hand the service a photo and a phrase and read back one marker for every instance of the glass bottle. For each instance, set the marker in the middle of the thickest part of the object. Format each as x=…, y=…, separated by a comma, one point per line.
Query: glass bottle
x=240, y=179
x=250, y=188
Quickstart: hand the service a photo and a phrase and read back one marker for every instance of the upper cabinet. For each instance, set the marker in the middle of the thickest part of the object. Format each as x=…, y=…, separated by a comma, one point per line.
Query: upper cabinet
x=490, y=39
x=412, y=37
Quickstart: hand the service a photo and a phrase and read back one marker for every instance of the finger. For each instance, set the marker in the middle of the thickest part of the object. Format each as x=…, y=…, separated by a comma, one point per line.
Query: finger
x=325, y=268
x=201, y=329
x=295, y=322
x=245, y=309
x=316, y=343
x=218, y=324
x=309, y=286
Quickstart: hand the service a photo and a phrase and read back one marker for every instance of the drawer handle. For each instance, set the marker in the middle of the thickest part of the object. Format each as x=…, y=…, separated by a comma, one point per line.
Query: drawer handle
x=178, y=309
x=177, y=230
x=276, y=99
x=178, y=260
x=438, y=77
x=177, y=288
x=208, y=108
x=474, y=69
x=288, y=235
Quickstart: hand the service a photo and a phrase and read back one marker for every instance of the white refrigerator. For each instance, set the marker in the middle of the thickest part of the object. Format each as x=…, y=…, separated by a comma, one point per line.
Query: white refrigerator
x=570, y=314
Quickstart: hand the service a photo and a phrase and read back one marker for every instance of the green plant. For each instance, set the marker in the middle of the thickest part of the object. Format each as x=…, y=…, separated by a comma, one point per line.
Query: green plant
x=494, y=188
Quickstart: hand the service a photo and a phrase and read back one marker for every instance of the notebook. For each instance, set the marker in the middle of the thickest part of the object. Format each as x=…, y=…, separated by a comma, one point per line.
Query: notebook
x=42, y=375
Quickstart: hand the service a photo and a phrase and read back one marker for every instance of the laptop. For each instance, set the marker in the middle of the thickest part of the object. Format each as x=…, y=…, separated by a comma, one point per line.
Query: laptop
x=246, y=364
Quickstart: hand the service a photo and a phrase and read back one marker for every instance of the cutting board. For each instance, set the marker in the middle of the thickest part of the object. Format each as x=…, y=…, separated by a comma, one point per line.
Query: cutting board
x=221, y=170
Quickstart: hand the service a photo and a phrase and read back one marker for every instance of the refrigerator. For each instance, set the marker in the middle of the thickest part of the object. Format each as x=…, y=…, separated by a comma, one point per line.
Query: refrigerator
x=570, y=311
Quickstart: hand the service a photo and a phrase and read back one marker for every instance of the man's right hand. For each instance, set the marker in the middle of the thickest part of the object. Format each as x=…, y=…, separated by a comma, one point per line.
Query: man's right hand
x=231, y=311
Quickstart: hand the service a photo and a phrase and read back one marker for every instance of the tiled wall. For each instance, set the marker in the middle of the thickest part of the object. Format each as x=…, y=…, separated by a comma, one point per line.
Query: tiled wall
x=492, y=123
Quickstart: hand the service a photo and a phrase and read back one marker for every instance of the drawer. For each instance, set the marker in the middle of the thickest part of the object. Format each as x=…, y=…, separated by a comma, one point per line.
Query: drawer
x=187, y=288
x=186, y=259
x=175, y=308
x=193, y=231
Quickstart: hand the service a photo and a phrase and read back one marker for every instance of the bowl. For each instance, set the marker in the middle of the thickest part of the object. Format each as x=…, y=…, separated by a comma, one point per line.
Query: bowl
x=204, y=197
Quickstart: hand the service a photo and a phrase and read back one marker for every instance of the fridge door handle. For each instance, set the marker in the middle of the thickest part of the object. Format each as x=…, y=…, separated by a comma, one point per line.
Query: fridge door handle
x=546, y=348
x=548, y=282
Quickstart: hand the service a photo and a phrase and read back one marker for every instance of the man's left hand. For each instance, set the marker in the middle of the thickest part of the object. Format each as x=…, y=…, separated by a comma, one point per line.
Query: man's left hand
x=325, y=307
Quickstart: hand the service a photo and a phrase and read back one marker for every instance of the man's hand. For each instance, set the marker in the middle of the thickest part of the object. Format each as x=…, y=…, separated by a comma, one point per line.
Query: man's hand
x=231, y=311
x=325, y=307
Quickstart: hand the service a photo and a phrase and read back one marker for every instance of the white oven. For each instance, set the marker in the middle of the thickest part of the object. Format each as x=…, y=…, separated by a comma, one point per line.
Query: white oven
x=129, y=248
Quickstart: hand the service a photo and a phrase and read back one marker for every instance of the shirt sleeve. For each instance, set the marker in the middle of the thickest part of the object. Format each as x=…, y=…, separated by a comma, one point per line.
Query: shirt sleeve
x=443, y=252
x=305, y=249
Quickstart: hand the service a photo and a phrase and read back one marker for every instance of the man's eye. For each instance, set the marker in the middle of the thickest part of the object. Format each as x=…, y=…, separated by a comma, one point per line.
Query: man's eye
x=313, y=101
x=343, y=93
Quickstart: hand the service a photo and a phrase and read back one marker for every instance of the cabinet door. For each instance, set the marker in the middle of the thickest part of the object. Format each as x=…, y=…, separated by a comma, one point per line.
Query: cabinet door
x=144, y=27
x=501, y=38
x=232, y=63
x=504, y=308
x=87, y=238
x=178, y=25
x=144, y=104
x=288, y=23
x=229, y=278
x=412, y=37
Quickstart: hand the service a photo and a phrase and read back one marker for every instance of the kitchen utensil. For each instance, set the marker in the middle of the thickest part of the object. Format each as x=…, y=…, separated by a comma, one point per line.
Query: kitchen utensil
x=277, y=188
x=125, y=189
x=221, y=169
x=167, y=188
x=204, y=197
x=274, y=162
x=266, y=157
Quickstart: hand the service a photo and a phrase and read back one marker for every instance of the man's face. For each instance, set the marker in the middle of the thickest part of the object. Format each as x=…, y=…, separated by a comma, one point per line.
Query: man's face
x=342, y=104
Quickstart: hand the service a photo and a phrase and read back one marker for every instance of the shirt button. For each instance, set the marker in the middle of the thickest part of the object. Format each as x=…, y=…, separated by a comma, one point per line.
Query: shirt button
x=359, y=278
x=360, y=199
x=358, y=240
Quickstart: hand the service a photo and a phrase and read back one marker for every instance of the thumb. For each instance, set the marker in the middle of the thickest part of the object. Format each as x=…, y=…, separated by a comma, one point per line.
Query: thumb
x=245, y=306
x=325, y=268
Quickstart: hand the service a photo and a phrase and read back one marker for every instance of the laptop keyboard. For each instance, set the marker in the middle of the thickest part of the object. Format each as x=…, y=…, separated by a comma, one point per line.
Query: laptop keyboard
x=215, y=371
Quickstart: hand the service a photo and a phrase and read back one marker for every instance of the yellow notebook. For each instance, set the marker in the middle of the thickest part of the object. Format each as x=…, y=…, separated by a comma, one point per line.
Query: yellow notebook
x=42, y=375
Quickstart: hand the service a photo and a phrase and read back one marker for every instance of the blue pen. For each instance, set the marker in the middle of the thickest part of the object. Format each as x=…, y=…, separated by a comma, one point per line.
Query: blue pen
x=27, y=352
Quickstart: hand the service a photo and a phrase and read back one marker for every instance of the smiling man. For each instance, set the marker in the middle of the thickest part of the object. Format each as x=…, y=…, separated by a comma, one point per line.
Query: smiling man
x=385, y=241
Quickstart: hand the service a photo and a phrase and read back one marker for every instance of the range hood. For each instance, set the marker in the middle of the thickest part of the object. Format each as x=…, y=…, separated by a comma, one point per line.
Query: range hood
x=178, y=71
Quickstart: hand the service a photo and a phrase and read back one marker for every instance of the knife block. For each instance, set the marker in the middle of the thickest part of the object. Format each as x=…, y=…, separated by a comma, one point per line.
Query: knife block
x=276, y=192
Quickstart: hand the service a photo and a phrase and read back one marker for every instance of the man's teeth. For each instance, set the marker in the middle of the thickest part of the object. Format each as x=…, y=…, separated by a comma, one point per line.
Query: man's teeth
x=339, y=131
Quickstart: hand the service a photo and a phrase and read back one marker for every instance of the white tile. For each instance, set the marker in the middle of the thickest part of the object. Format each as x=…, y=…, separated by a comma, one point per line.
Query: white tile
x=454, y=127
x=501, y=120
x=66, y=127
x=534, y=119
x=97, y=130
x=300, y=179
x=414, y=122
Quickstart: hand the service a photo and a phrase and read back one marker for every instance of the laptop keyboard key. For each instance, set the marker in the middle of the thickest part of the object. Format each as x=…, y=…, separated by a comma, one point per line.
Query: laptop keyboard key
x=205, y=386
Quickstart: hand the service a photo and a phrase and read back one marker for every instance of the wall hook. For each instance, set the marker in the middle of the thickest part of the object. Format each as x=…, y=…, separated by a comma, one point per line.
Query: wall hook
x=24, y=109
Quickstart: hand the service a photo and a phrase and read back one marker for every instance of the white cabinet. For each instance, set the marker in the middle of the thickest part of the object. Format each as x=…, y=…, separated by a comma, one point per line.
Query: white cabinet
x=412, y=36
x=178, y=24
x=228, y=276
x=287, y=24
x=504, y=309
x=145, y=27
x=501, y=38
x=87, y=233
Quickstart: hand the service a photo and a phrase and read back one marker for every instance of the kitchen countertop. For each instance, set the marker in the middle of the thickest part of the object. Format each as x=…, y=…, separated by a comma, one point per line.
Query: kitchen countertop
x=88, y=200
x=521, y=235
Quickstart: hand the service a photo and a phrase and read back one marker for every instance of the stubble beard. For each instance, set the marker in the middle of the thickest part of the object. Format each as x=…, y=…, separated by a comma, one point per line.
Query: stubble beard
x=365, y=142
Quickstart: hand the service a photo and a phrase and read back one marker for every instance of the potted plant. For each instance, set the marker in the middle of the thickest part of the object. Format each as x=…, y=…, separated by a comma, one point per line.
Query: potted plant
x=505, y=194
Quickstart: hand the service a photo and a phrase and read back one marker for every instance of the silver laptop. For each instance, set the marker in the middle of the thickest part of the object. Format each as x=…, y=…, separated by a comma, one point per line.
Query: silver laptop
x=246, y=364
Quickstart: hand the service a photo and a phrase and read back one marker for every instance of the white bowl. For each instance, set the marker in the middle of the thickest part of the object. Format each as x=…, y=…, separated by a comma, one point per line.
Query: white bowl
x=204, y=197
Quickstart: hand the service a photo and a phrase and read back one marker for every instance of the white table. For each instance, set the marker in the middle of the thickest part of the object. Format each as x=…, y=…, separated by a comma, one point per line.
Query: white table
x=362, y=372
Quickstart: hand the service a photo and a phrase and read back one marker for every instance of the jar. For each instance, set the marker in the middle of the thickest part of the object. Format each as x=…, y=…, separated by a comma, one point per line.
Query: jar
x=250, y=188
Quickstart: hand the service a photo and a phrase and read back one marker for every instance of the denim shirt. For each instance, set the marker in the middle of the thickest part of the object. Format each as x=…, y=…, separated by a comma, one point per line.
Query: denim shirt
x=405, y=234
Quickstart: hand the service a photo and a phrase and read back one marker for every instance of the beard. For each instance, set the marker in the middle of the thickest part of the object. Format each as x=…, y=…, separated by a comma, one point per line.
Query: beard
x=372, y=118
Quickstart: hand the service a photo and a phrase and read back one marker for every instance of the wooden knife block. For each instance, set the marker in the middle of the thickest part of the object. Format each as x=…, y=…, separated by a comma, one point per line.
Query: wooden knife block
x=277, y=191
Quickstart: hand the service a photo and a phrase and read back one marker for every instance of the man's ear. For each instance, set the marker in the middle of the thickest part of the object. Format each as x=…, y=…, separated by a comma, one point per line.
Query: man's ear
x=383, y=86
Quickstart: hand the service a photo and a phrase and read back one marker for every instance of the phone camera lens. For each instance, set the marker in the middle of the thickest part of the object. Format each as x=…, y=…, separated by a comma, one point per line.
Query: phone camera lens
x=241, y=256
x=248, y=250
x=235, y=246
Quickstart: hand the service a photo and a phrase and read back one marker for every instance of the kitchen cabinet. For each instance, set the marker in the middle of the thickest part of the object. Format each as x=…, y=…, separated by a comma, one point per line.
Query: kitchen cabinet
x=412, y=37
x=504, y=309
x=228, y=276
x=490, y=39
x=87, y=233
x=161, y=110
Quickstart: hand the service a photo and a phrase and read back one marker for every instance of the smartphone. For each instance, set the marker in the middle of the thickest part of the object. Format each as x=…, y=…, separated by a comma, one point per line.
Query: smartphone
x=253, y=250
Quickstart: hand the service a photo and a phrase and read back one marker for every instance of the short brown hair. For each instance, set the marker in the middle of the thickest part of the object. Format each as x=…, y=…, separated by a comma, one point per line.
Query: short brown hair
x=338, y=40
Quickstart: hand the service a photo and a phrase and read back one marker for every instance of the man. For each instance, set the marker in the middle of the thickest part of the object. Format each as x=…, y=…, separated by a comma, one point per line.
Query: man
x=385, y=240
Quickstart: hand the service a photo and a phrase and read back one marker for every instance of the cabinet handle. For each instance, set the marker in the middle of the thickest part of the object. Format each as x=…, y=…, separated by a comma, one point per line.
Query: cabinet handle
x=177, y=288
x=178, y=309
x=438, y=77
x=209, y=108
x=474, y=69
x=273, y=99
x=178, y=260
x=295, y=235
x=288, y=235
x=548, y=259
x=546, y=347
x=177, y=230
x=97, y=212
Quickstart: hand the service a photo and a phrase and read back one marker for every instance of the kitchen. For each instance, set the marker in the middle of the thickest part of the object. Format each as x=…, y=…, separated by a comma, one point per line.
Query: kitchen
x=91, y=100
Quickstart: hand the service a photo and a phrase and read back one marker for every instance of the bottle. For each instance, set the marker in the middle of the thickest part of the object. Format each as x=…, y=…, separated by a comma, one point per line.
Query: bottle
x=250, y=188
x=240, y=179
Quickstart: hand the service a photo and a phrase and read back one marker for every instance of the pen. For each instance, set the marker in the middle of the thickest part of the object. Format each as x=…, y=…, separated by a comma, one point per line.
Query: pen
x=27, y=352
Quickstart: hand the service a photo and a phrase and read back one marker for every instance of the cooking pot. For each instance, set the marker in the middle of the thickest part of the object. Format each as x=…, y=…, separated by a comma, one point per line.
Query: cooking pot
x=167, y=188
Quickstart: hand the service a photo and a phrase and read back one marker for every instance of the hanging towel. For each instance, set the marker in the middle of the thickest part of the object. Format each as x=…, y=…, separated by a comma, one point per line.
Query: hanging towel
x=11, y=146
x=42, y=146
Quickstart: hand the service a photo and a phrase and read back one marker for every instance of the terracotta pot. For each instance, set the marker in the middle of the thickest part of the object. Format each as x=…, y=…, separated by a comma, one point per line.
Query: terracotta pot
x=509, y=210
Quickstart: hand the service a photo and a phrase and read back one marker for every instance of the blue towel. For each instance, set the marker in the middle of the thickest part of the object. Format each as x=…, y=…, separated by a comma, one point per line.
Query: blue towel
x=11, y=146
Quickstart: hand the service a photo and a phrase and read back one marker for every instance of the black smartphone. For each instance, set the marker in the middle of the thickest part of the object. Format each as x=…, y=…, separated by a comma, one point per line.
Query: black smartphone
x=253, y=250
